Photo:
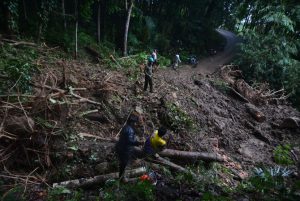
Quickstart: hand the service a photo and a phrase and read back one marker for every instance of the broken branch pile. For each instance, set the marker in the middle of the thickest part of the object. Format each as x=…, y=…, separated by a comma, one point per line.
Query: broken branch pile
x=261, y=94
x=30, y=123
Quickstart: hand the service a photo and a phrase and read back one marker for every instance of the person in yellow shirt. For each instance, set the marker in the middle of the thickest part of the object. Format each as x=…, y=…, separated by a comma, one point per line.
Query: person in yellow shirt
x=155, y=143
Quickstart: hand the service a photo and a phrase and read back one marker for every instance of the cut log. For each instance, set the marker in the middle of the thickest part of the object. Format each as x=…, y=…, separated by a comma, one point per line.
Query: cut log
x=255, y=113
x=172, y=165
x=193, y=156
x=100, y=179
x=239, y=95
x=187, y=155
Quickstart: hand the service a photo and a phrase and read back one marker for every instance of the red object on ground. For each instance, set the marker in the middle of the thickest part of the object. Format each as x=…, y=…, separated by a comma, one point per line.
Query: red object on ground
x=145, y=177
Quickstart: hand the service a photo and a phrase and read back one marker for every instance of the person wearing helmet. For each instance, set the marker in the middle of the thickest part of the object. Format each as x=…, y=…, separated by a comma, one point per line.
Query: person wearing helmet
x=148, y=74
x=126, y=143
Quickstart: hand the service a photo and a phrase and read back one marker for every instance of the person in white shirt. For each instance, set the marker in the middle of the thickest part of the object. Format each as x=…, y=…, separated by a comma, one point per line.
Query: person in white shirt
x=154, y=56
x=176, y=61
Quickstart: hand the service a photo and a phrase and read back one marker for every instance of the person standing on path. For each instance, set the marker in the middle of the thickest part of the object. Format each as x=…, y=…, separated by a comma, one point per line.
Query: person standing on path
x=176, y=61
x=154, y=56
x=125, y=145
x=148, y=75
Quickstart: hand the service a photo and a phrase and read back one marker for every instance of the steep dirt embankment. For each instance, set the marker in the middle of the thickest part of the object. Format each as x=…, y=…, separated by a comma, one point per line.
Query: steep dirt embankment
x=203, y=116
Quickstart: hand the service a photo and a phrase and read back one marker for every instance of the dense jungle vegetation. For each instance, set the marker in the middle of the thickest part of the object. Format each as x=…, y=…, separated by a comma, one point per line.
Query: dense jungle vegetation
x=101, y=45
x=269, y=30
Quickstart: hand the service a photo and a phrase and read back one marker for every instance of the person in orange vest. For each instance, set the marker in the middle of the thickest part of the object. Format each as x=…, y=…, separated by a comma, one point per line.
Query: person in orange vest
x=155, y=143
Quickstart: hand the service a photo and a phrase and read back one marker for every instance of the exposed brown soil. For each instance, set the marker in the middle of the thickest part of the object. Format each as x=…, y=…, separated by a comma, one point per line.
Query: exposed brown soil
x=222, y=123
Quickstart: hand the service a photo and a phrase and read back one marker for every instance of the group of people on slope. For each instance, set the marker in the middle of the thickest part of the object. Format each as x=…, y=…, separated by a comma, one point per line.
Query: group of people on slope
x=127, y=141
x=152, y=63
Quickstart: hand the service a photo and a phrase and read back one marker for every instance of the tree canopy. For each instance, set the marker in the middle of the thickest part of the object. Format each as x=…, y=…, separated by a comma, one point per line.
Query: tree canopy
x=270, y=29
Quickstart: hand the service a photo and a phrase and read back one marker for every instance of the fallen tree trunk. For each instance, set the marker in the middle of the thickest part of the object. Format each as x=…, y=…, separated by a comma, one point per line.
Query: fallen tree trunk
x=255, y=113
x=239, y=95
x=171, y=153
x=187, y=155
x=86, y=182
x=114, y=60
x=174, y=166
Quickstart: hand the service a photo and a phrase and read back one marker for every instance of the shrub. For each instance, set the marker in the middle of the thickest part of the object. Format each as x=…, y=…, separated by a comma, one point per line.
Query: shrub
x=177, y=119
x=61, y=193
x=271, y=184
x=282, y=155
x=18, y=65
x=141, y=191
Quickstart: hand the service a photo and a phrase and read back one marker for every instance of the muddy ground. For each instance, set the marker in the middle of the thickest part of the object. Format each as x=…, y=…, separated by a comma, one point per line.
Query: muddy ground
x=219, y=121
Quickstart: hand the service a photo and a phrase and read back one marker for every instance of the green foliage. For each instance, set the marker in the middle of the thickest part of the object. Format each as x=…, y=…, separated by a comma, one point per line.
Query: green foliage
x=208, y=196
x=13, y=8
x=221, y=86
x=178, y=119
x=46, y=7
x=85, y=10
x=282, y=155
x=271, y=184
x=14, y=194
x=270, y=48
x=18, y=66
x=208, y=181
x=61, y=193
x=141, y=191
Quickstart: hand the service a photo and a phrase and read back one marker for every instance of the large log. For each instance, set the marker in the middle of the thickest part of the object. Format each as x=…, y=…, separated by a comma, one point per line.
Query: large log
x=255, y=113
x=172, y=165
x=86, y=182
x=188, y=155
x=171, y=153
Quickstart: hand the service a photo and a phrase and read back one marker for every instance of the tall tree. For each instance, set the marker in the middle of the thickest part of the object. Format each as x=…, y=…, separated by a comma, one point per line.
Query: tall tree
x=76, y=28
x=99, y=22
x=129, y=10
x=64, y=13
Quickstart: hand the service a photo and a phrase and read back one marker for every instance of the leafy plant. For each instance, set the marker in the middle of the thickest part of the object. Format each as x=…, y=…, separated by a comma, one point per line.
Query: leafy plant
x=141, y=191
x=271, y=184
x=282, y=155
x=14, y=194
x=18, y=66
x=270, y=48
x=177, y=118
x=221, y=85
x=61, y=193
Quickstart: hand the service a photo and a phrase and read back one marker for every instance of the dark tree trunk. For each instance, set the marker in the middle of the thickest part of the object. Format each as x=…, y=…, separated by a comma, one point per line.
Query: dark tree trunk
x=25, y=11
x=127, y=27
x=64, y=13
x=208, y=8
x=76, y=29
x=99, y=23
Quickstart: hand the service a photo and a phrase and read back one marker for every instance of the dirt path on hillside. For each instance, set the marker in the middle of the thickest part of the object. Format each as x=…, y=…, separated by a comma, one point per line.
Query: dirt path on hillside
x=185, y=73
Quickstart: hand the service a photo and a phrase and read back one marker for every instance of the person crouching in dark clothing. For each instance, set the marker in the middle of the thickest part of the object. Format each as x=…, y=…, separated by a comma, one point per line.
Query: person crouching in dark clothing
x=148, y=75
x=126, y=143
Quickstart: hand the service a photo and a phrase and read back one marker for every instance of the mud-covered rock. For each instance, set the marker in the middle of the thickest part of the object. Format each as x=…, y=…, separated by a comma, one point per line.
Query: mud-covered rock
x=290, y=122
